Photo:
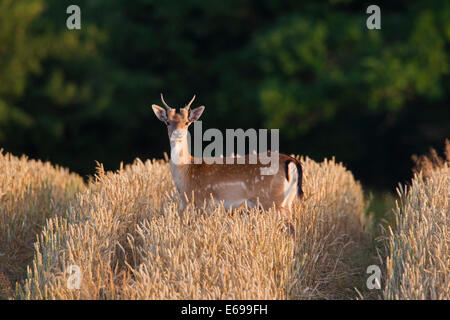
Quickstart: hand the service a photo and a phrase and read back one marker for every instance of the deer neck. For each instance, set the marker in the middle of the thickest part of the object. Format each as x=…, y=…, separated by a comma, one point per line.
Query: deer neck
x=180, y=158
x=179, y=150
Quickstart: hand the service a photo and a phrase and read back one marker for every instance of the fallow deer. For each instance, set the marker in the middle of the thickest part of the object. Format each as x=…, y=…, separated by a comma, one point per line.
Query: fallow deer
x=234, y=184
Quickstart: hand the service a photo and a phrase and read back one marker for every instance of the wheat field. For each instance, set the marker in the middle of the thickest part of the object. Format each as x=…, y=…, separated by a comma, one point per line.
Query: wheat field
x=30, y=192
x=418, y=259
x=131, y=239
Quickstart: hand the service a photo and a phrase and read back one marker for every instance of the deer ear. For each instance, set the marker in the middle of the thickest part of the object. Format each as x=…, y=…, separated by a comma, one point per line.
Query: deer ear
x=160, y=113
x=196, y=113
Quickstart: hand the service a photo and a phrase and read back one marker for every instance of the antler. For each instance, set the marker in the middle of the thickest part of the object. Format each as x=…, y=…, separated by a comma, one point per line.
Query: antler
x=189, y=104
x=165, y=104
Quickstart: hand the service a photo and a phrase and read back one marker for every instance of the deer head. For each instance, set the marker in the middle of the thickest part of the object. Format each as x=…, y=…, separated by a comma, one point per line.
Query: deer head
x=177, y=123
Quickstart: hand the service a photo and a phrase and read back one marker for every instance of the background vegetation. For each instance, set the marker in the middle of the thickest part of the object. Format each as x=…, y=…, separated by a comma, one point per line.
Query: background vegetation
x=334, y=88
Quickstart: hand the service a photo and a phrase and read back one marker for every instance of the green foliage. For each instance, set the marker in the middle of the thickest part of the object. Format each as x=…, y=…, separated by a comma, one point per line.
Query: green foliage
x=314, y=70
x=20, y=54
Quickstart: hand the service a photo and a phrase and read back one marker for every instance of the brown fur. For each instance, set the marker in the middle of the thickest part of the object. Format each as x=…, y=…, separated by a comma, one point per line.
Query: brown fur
x=202, y=181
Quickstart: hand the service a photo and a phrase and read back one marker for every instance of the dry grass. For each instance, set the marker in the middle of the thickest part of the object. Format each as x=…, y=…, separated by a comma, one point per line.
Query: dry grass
x=30, y=192
x=131, y=239
x=427, y=164
x=418, y=262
